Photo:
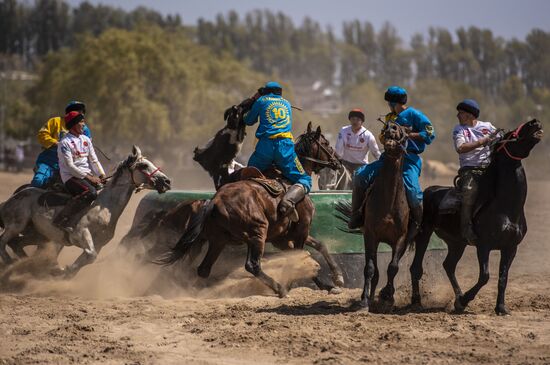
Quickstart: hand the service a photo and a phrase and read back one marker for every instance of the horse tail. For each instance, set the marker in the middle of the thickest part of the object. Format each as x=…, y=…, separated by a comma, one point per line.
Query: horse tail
x=343, y=213
x=189, y=237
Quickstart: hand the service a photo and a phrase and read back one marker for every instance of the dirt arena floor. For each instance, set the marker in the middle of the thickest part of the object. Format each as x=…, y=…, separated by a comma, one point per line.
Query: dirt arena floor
x=111, y=313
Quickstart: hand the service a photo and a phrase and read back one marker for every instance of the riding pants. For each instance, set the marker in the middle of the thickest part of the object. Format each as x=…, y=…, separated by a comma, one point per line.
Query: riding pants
x=412, y=165
x=81, y=188
x=280, y=151
x=47, y=165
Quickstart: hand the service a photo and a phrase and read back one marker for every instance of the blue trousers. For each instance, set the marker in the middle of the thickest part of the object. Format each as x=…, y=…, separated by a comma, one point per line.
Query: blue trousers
x=412, y=165
x=46, y=167
x=280, y=151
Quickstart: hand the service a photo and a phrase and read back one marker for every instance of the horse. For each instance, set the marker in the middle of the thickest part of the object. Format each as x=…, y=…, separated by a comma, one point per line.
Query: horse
x=244, y=212
x=96, y=226
x=339, y=179
x=499, y=220
x=386, y=216
x=226, y=144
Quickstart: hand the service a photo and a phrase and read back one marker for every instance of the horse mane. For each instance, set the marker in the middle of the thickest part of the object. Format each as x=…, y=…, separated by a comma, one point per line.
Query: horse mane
x=119, y=170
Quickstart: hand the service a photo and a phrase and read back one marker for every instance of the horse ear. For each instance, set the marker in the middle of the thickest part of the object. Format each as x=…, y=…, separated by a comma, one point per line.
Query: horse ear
x=136, y=151
x=309, y=127
x=318, y=132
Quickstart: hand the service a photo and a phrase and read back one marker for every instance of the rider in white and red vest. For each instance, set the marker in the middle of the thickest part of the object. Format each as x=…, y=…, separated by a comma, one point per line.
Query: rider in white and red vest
x=80, y=169
x=355, y=142
x=471, y=137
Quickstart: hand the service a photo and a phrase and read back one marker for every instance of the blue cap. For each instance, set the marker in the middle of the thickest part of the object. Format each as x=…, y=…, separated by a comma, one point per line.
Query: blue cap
x=396, y=94
x=469, y=106
x=273, y=85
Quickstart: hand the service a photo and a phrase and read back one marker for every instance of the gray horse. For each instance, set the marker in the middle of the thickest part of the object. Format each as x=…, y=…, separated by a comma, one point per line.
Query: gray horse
x=96, y=227
x=339, y=179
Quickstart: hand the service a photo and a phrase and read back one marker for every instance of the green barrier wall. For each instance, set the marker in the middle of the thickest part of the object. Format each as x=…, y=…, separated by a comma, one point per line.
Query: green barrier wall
x=325, y=224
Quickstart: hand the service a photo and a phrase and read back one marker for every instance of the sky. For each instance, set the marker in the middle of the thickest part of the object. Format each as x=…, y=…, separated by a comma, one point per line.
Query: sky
x=506, y=18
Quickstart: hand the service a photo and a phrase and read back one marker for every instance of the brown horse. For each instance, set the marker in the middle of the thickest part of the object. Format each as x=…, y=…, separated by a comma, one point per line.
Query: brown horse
x=386, y=215
x=243, y=212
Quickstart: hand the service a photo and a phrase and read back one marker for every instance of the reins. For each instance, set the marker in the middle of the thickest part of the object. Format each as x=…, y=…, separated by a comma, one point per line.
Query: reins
x=515, y=137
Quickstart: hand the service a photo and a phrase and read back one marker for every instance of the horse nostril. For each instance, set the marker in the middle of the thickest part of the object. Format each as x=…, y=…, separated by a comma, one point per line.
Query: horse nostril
x=167, y=181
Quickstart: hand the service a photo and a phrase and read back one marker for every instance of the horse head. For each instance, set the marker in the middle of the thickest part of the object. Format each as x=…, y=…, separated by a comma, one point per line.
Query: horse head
x=313, y=147
x=394, y=139
x=518, y=143
x=145, y=175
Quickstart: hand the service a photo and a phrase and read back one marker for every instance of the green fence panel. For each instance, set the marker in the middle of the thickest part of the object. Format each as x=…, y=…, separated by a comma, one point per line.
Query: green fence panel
x=324, y=226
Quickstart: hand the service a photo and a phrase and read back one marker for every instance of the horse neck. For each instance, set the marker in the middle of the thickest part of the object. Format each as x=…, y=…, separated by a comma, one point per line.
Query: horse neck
x=511, y=186
x=116, y=195
x=390, y=176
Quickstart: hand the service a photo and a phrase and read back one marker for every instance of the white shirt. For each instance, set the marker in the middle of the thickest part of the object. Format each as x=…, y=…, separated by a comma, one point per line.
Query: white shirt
x=466, y=134
x=77, y=157
x=355, y=147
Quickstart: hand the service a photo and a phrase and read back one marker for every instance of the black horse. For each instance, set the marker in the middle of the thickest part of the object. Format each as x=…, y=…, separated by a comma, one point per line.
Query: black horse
x=499, y=221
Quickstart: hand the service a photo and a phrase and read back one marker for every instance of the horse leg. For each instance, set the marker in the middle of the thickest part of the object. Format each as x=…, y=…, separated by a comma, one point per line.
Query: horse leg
x=506, y=258
x=337, y=276
x=454, y=254
x=88, y=255
x=422, y=242
x=375, y=276
x=483, y=260
x=5, y=238
x=253, y=265
x=17, y=245
x=369, y=271
x=214, y=250
x=386, y=294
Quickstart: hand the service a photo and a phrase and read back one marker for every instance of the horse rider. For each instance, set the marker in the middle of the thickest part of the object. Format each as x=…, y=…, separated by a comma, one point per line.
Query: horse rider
x=47, y=163
x=471, y=138
x=276, y=144
x=355, y=142
x=80, y=169
x=420, y=133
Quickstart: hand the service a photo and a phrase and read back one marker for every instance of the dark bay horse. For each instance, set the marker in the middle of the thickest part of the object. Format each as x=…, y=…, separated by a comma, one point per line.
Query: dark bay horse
x=386, y=215
x=499, y=222
x=243, y=212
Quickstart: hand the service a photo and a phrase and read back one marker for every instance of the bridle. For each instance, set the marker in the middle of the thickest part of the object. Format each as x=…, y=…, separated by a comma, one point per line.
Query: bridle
x=514, y=137
x=402, y=141
x=308, y=139
x=149, y=176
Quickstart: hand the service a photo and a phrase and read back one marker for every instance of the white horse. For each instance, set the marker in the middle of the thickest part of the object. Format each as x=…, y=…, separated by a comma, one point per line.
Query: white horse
x=96, y=227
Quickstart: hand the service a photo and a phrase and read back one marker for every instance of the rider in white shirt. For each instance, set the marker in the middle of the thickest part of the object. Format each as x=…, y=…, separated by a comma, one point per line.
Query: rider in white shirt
x=471, y=138
x=80, y=169
x=355, y=142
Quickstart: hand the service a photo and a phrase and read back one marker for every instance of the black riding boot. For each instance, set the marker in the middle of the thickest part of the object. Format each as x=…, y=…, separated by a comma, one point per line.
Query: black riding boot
x=65, y=219
x=469, y=195
x=466, y=225
x=293, y=196
x=357, y=198
x=415, y=221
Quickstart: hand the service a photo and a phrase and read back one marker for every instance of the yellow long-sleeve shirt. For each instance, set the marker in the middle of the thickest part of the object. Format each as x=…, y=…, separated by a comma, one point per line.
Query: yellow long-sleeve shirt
x=51, y=132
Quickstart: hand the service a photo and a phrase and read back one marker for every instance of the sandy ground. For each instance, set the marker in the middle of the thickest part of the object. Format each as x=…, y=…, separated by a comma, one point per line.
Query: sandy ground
x=109, y=314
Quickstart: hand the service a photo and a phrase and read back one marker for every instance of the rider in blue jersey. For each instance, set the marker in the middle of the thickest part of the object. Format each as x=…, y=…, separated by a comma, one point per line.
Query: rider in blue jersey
x=421, y=134
x=275, y=143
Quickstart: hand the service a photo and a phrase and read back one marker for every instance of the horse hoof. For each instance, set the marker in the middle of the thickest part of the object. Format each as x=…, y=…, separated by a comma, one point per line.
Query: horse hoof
x=501, y=310
x=459, y=306
x=335, y=290
x=282, y=292
x=339, y=280
x=386, y=295
x=360, y=306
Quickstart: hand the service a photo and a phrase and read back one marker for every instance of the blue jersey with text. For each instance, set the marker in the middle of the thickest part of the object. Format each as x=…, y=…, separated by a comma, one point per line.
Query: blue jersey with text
x=275, y=116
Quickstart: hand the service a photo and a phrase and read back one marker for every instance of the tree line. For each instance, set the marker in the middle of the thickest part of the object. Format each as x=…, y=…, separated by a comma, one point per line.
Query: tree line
x=173, y=81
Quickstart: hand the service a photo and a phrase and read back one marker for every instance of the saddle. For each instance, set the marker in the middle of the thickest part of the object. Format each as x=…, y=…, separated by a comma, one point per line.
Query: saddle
x=273, y=186
x=54, y=198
